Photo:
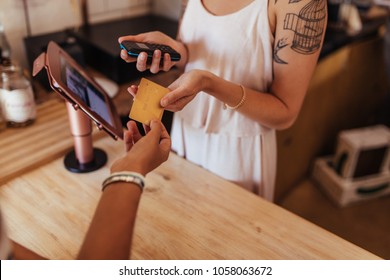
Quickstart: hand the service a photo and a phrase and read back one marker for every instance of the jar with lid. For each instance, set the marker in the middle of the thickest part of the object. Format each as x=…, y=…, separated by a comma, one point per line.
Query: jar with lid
x=16, y=96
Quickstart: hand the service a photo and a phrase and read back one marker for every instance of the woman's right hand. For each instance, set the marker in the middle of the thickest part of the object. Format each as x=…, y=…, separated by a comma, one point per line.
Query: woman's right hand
x=155, y=37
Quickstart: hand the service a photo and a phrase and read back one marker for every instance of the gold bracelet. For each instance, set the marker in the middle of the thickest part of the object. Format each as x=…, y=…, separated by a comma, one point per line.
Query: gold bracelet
x=243, y=97
x=128, y=177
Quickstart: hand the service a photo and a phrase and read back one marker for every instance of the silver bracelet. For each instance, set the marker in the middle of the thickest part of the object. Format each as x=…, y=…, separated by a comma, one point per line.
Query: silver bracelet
x=125, y=176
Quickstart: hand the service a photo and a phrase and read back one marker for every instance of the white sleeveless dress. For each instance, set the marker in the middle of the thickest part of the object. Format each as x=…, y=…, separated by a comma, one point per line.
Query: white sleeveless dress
x=238, y=48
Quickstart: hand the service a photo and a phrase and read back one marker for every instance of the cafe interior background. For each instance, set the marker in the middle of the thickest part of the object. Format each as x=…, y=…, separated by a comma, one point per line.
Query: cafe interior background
x=344, y=119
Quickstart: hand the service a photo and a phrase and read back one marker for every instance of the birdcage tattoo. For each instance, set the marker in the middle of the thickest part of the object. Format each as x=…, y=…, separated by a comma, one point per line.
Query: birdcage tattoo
x=308, y=26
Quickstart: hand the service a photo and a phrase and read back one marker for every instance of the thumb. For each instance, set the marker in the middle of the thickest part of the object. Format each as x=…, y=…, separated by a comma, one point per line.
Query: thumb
x=155, y=129
x=161, y=132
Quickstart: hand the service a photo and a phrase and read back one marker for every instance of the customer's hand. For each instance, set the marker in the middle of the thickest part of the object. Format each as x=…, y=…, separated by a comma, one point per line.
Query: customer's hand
x=155, y=37
x=144, y=153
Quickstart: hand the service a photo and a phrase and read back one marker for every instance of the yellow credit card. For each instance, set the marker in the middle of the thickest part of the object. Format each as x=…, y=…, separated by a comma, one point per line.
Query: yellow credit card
x=146, y=105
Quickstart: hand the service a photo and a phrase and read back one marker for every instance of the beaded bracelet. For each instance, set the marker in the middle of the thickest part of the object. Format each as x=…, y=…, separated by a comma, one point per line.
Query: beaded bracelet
x=243, y=97
x=125, y=176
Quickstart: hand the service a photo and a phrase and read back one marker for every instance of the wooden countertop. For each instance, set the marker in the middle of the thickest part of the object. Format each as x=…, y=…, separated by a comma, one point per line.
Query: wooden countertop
x=23, y=149
x=185, y=211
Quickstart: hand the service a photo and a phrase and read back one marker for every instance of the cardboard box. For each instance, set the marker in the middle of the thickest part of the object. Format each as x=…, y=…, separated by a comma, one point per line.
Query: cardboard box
x=363, y=152
x=344, y=191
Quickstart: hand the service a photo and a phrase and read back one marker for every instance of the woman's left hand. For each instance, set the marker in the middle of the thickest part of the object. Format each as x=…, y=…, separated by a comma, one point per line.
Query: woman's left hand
x=141, y=62
x=184, y=90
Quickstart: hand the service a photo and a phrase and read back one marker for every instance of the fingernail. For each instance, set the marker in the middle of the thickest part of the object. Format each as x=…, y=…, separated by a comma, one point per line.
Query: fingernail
x=153, y=123
x=164, y=102
x=157, y=54
x=143, y=56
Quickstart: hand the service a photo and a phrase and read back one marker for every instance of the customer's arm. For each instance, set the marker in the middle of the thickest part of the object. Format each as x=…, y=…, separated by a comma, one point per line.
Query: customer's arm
x=110, y=233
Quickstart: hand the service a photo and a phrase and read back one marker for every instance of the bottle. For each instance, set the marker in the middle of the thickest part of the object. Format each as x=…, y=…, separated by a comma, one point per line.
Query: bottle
x=5, y=58
x=5, y=49
x=17, y=97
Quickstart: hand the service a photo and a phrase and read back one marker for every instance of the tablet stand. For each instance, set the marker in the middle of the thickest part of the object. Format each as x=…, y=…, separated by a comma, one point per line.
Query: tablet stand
x=84, y=158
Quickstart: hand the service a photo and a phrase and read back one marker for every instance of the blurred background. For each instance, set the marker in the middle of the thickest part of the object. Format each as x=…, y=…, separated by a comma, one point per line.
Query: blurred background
x=22, y=18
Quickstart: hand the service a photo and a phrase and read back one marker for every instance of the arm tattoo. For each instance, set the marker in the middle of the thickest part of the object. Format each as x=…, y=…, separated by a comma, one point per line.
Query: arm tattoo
x=280, y=45
x=308, y=26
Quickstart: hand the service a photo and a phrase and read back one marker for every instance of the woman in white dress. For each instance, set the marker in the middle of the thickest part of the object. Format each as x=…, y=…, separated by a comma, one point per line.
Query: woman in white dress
x=247, y=66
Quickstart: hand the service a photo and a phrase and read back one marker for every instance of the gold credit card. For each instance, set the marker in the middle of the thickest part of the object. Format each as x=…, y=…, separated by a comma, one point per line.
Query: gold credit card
x=146, y=104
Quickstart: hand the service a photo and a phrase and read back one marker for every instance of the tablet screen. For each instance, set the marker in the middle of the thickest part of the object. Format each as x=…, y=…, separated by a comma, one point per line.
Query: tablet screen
x=89, y=94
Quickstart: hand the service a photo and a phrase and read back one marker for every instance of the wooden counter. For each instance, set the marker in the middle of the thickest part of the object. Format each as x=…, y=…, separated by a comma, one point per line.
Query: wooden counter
x=185, y=211
x=23, y=149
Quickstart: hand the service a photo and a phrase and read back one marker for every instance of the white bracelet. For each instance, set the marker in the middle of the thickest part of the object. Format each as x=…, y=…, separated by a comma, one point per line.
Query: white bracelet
x=243, y=97
x=125, y=176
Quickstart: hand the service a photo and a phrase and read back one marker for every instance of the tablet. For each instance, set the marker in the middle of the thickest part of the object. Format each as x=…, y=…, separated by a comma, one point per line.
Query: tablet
x=73, y=83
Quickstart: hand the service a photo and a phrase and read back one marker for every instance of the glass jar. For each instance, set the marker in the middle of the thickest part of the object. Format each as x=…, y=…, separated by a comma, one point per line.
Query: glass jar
x=17, y=97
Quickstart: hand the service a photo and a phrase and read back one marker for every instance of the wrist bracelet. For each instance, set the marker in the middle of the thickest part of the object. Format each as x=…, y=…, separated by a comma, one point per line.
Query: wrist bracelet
x=125, y=176
x=243, y=97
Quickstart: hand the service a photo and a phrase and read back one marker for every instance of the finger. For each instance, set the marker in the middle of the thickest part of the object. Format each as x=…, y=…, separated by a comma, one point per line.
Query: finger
x=125, y=38
x=128, y=140
x=155, y=130
x=133, y=90
x=137, y=38
x=167, y=62
x=126, y=57
x=159, y=129
x=146, y=128
x=161, y=134
x=175, y=102
x=165, y=139
x=170, y=98
x=155, y=66
x=164, y=132
x=141, y=61
x=133, y=129
x=165, y=145
x=158, y=125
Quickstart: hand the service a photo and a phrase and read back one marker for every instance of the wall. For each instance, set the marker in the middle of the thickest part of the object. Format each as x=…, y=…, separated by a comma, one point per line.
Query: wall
x=167, y=8
x=53, y=15
x=103, y=10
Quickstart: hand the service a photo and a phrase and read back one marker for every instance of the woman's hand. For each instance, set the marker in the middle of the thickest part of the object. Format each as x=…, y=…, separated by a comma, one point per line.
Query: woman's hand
x=144, y=153
x=184, y=89
x=151, y=37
